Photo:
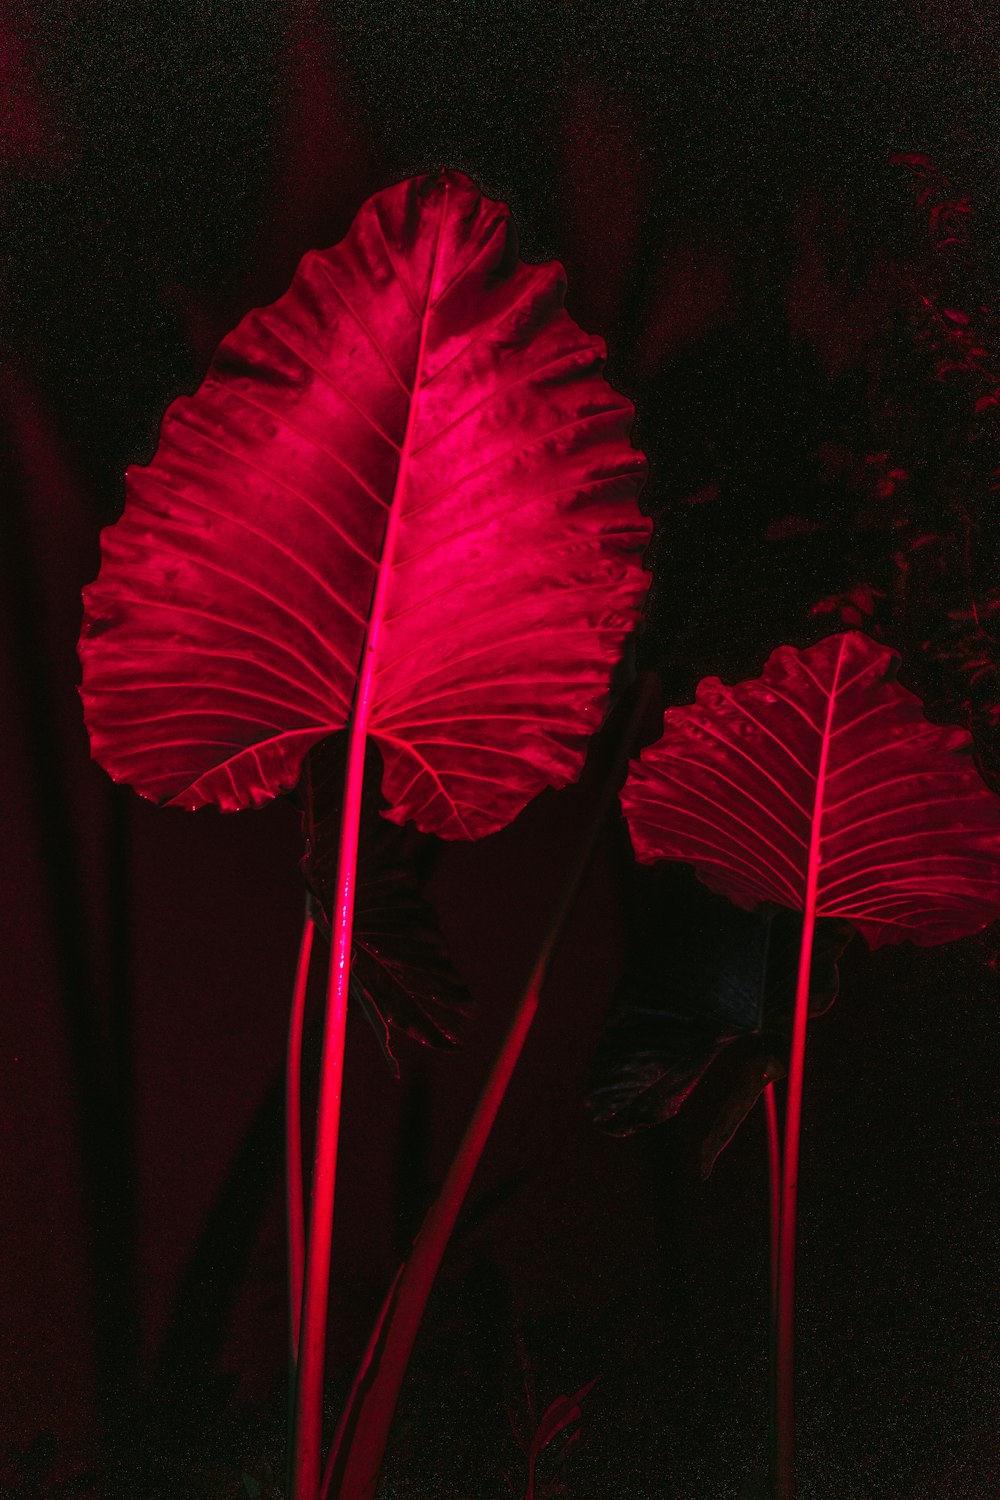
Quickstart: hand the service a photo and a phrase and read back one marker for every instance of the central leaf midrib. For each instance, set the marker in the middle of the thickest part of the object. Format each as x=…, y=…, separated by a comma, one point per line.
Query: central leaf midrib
x=815, y=857
x=361, y=710
x=373, y=629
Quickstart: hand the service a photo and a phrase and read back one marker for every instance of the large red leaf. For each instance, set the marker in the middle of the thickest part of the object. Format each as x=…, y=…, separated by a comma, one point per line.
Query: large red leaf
x=418, y=411
x=824, y=750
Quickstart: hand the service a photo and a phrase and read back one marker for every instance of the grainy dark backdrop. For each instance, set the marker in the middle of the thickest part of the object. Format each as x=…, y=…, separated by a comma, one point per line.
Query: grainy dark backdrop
x=715, y=179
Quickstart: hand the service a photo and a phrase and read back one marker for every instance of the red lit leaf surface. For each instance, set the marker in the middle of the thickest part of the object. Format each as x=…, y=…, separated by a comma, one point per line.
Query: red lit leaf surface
x=824, y=747
x=417, y=410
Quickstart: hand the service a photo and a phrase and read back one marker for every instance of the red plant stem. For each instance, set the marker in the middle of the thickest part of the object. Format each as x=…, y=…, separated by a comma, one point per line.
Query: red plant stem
x=295, y=1206
x=308, y=1419
x=307, y=1441
x=363, y=1460
x=785, y=1291
x=784, y=1373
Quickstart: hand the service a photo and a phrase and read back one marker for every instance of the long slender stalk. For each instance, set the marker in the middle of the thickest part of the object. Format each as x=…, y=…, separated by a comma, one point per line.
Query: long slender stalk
x=359, y=1466
x=306, y=1454
x=308, y=1418
x=773, y=1142
x=294, y=1198
x=784, y=1374
x=785, y=1292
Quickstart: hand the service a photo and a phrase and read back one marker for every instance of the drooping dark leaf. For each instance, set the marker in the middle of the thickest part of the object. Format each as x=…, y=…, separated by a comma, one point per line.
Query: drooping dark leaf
x=410, y=459
x=401, y=973
x=754, y=1071
x=704, y=974
x=764, y=1054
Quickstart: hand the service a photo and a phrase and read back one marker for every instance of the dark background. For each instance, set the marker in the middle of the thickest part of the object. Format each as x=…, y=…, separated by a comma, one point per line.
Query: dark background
x=715, y=178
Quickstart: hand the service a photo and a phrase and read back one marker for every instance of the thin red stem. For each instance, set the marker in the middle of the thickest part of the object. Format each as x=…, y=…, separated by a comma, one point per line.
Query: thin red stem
x=295, y=1206
x=306, y=1455
x=361, y=1465
x=784, y=1373
x=785, y=1292
x=308, y=1435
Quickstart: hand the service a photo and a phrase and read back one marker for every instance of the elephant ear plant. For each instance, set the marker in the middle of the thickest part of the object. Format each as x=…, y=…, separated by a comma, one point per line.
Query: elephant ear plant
x=401, y=505
x=821, y=787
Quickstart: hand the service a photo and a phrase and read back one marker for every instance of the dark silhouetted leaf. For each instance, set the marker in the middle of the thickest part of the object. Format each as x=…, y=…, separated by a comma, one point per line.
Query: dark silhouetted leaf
x=749, y=1080
x=706, y=974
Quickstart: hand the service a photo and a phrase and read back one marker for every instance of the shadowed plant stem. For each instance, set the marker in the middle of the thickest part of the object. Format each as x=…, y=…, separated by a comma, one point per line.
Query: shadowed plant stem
x=356, y=1466
x=773, y=1150
x=295, y=1204
x=774, y=1189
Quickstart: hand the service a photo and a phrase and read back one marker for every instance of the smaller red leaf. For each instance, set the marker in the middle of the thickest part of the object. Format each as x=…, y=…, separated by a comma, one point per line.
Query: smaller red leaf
x=824, y=754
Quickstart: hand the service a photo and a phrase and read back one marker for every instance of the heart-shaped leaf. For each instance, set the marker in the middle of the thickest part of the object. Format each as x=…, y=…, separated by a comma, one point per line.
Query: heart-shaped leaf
x=824, y=770
x=703, y=975
x=401, y=973
x=412, y=456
